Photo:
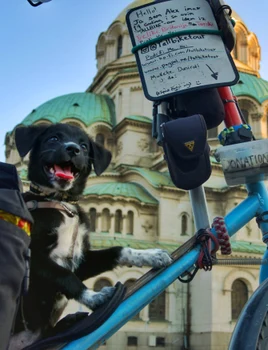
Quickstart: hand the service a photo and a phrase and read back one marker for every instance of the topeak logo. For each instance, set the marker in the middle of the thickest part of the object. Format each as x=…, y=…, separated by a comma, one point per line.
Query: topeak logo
x=190, y=145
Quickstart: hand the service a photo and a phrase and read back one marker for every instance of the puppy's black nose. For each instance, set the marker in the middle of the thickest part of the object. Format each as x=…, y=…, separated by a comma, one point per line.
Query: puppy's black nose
x=72, y=148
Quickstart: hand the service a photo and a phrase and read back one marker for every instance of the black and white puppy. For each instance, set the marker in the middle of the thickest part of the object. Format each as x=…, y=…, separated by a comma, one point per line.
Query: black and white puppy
x=61, y=160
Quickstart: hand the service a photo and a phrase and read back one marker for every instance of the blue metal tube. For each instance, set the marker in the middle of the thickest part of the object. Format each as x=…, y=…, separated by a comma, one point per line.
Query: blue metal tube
x=242, y=214
x=259, y=188
x=264, y=269
x=132, y=305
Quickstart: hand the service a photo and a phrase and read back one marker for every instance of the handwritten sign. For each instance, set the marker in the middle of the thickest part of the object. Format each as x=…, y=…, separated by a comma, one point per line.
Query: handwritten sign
x=180, y=56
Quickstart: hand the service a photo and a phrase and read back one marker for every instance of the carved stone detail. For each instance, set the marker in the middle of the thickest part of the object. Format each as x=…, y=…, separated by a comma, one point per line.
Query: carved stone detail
x=256, y=116
x=147, y=226
x=249, y=230
x=143, y=144
x=119, y=148
x=136, y=88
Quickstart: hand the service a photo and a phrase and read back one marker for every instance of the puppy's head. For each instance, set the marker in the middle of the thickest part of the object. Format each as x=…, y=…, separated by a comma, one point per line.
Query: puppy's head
x=61, y=156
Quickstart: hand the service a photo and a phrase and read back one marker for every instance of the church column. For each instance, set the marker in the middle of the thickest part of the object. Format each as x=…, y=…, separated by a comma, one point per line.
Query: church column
x=244, y=52
x=126, y=43
x=256, y=125
x=98, y=222
x=171, y=303
x=144, y=314
x=111, y=231
x=119, y=99
x=126, y=101
x=124, y=224
x=110, y=50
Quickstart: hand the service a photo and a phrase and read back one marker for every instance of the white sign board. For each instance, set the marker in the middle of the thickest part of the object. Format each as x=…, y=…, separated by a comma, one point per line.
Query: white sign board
x=179, y=56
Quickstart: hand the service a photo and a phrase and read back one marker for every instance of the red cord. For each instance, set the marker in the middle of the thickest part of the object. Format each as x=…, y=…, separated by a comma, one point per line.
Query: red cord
x=222, y=234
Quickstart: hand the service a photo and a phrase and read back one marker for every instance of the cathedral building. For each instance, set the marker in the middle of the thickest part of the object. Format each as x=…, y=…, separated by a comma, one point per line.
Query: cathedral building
x=135, y=204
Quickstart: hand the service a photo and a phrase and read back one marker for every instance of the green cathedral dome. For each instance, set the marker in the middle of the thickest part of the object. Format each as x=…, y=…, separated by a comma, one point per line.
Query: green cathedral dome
x=252, y=86
x=87, y=108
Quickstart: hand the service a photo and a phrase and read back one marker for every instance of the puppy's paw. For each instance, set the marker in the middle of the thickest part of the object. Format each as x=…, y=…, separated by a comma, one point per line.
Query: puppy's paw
x=149, y=257
x=159, y=258
x=93, y=300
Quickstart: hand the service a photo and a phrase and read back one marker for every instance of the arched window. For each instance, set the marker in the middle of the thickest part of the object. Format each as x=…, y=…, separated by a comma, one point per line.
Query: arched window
x=100, y=139
x=132, y=341
x=118, y=221
x=130, y=222
x=160, y=341
x=101, y=283
x=105, y=220
x=78, y=125
x=92, y=218
x=184, y=225
x=253, y=52
x=128, y=284
x=100, y=51
x=239, y=297
x=119, y=46
x=245, y=114
x=157, y=308
x=235, y=50
x=247, y=107
x=240, y=50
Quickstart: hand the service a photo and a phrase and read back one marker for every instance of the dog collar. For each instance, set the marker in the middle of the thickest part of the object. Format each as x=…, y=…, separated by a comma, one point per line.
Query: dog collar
x=52, y=204
x=36, y=189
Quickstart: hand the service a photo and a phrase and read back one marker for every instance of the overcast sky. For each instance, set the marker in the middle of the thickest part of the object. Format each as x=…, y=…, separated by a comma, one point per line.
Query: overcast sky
x=49, y=50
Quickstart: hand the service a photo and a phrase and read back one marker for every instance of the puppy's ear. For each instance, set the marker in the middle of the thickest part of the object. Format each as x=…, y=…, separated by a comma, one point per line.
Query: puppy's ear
x=25, y=138
x=100, y=157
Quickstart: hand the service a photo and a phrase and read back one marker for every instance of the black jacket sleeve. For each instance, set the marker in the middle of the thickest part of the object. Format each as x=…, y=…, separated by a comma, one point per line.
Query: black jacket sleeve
x=14, y=243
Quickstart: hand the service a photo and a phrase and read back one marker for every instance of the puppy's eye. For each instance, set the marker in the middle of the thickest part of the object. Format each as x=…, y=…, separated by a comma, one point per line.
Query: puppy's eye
x=83, y=146
x=53, y=138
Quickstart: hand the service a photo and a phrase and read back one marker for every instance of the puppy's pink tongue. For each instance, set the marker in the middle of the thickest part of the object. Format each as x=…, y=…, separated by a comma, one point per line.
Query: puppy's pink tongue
x=63, y=173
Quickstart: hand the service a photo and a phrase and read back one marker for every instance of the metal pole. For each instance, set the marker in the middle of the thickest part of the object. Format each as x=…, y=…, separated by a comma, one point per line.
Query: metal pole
x=162, y=108
x=199, y=206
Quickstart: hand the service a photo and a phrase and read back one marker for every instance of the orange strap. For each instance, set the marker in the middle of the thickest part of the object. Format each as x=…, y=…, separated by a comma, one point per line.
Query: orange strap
x=16, y=220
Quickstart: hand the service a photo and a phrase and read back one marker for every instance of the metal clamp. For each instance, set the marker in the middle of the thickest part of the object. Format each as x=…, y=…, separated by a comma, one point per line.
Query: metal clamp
x=32, y=205
x=260, y=218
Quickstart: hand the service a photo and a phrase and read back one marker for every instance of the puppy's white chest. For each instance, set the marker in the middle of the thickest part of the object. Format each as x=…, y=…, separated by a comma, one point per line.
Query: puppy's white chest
x=68, y=251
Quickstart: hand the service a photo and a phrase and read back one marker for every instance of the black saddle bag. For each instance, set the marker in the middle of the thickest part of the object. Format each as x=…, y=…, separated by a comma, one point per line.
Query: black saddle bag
x=187, y=151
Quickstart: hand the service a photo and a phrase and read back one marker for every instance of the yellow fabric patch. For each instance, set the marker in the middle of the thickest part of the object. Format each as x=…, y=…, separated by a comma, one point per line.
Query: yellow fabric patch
x=190, y=145
x=16, y=220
